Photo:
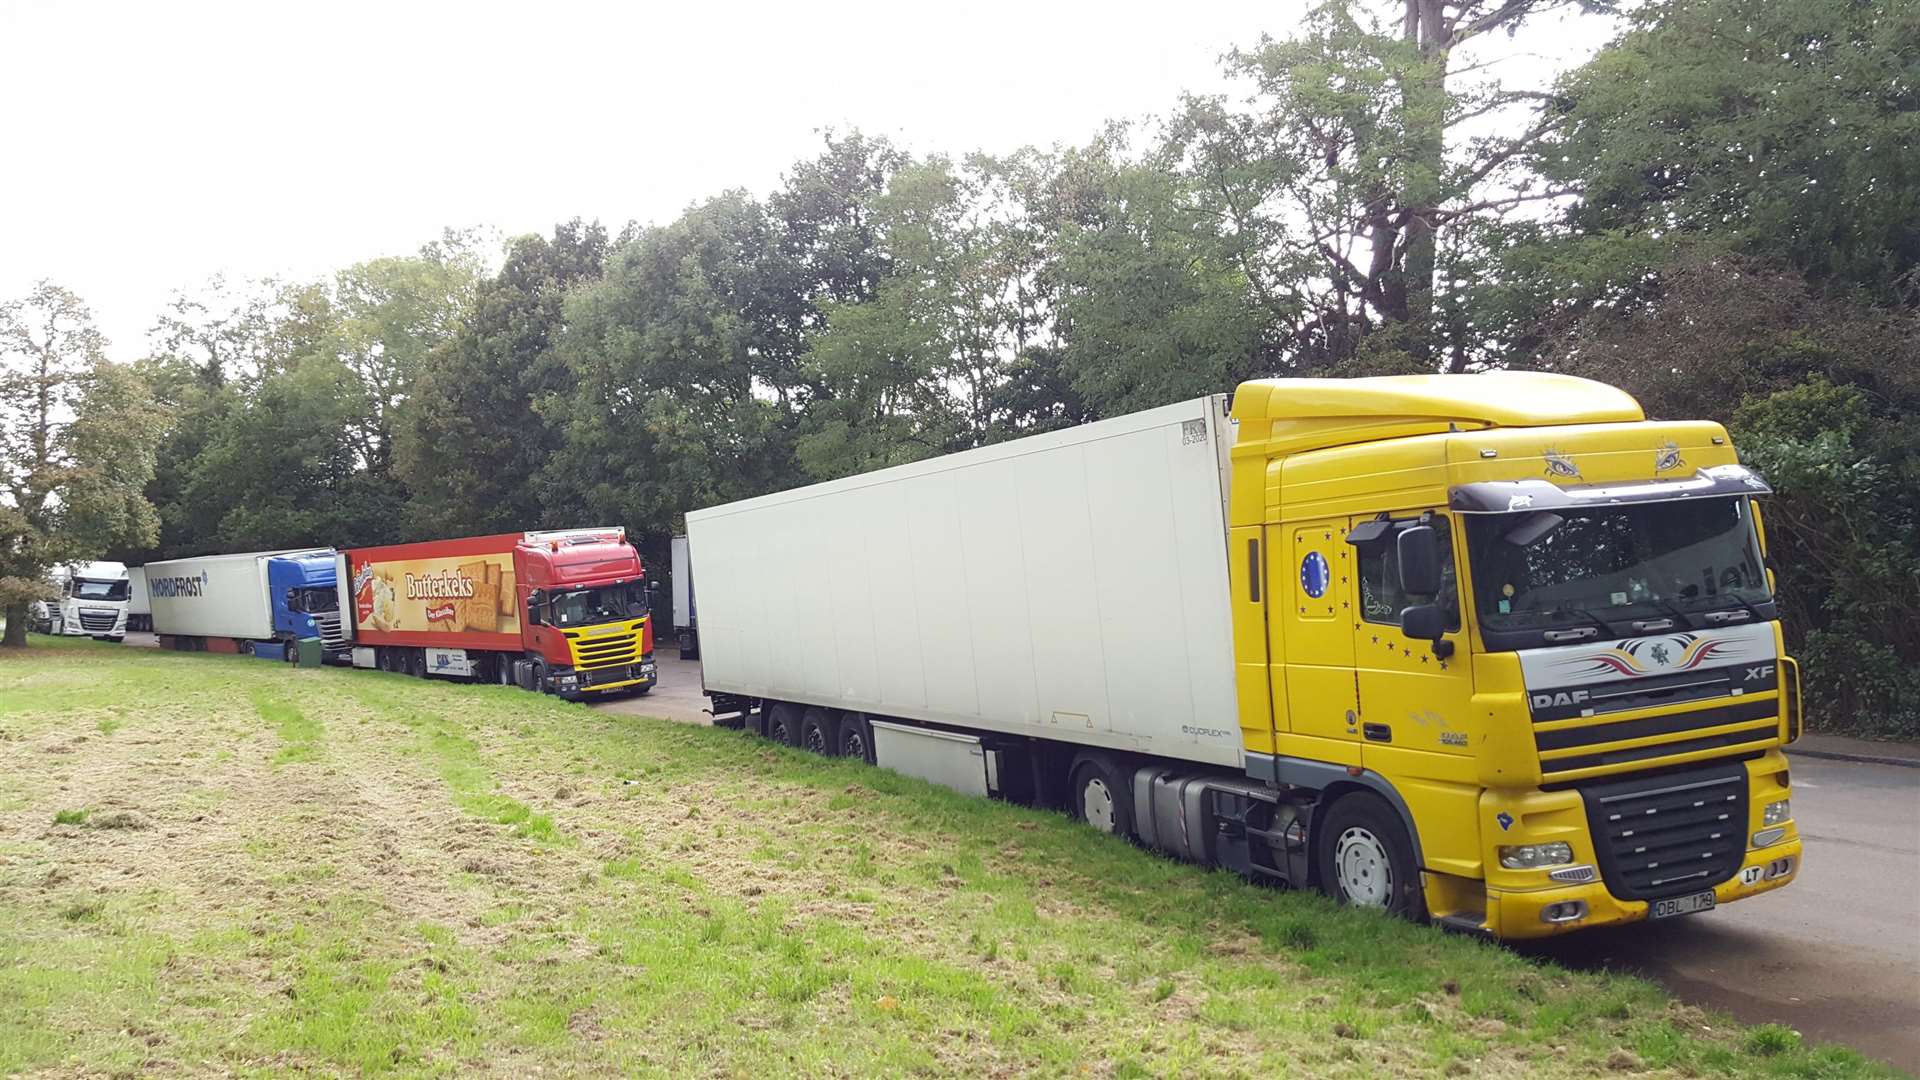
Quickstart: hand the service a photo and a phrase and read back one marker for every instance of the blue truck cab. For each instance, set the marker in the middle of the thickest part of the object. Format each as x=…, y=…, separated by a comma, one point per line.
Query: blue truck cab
x=306, y=599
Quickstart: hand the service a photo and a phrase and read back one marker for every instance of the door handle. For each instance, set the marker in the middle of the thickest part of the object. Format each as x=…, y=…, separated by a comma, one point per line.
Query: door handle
x=1378, y=732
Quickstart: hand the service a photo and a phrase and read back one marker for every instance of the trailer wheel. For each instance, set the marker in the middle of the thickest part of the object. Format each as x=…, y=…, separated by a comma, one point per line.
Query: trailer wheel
x=817, y=732
x=856, y=737
x=1101, y=795
x=783, y=724
x=1366, y=858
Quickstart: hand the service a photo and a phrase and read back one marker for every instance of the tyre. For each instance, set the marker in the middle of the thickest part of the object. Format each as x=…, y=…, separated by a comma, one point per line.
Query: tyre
x=818, y=732
x=783, y=724
x=1366, y=858
x=855, y=737
x=1102, y=796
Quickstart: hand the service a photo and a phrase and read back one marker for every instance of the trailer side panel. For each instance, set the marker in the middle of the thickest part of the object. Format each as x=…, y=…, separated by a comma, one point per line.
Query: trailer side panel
x=1071, y=586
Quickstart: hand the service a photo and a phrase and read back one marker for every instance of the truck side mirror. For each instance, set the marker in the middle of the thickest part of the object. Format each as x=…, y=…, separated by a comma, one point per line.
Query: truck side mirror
x=1423, y=622
x=1418, y=549
x=533, y=609
x=1426, y=622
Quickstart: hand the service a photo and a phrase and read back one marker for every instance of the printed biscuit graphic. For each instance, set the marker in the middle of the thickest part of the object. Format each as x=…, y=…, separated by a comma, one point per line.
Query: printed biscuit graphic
x=506, y=592
x=482, y=611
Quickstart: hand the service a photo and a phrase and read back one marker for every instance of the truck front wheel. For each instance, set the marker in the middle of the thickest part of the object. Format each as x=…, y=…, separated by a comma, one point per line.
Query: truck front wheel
x=1101, y=795
x=1366, y=858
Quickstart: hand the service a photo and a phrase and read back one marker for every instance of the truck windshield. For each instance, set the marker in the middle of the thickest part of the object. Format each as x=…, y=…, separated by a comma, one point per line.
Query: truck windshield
x=313, y=601
x=1540, y=569
x=94, y=589
x=584, y=607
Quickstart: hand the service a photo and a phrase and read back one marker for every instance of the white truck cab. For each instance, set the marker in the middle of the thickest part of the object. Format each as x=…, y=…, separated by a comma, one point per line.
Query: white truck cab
x=92, y=601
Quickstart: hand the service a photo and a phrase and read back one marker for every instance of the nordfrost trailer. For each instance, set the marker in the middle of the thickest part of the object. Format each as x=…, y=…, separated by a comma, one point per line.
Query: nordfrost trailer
x=1490, y=648
x=233, y=603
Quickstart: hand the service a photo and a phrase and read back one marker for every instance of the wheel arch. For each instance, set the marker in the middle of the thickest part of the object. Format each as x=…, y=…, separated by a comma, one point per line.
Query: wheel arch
x=1331, y=782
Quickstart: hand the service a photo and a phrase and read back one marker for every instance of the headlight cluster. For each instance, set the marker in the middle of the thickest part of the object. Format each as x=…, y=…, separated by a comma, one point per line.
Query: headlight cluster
x=1534, y=856
x=1777, y=812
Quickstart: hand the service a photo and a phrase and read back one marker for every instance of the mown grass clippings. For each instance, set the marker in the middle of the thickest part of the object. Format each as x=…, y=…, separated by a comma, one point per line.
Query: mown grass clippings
x=469, y=885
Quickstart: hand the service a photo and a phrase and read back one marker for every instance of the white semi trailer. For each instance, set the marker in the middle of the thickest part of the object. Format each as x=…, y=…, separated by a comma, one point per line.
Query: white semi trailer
x=139, y=604
x=1068, y=588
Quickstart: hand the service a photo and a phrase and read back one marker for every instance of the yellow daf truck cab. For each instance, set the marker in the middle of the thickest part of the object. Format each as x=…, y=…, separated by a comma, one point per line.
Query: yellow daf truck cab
x=1493, y=649
x=1536, y=624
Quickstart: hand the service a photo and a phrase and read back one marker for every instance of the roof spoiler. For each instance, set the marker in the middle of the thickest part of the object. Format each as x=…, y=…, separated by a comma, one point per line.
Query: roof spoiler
x=1505, y=496
x=554, y=539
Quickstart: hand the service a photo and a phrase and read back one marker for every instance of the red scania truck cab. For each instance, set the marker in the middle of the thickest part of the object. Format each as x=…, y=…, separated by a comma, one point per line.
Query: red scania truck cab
x=562, y=612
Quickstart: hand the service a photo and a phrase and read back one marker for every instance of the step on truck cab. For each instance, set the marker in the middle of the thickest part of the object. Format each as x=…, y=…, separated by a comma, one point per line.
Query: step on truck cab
x=1493, y=649
x=562, y=612
x=91, y=601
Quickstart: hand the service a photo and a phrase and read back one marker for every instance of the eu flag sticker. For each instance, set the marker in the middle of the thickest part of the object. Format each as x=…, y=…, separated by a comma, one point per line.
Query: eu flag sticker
x=1315, y=574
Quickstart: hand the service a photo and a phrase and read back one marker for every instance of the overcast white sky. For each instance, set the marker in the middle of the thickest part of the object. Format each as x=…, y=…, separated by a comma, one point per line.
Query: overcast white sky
x=150, y=145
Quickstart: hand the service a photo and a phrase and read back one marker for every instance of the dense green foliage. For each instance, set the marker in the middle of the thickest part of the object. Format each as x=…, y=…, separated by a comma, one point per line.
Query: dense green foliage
x=1719, y=212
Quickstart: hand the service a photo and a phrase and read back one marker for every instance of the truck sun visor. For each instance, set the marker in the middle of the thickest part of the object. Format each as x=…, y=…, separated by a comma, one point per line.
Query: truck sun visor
x=1505, y=496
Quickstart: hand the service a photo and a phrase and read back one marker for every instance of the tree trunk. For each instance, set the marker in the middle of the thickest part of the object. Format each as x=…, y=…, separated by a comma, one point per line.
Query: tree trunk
x=1424, y=101
x=16, y=636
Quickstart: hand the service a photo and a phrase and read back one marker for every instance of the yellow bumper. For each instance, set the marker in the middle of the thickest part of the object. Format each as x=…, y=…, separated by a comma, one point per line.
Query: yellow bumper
x=1515, y=915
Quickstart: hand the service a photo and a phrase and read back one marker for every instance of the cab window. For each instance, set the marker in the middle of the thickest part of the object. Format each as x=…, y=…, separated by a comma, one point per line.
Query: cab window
x=1381, y=596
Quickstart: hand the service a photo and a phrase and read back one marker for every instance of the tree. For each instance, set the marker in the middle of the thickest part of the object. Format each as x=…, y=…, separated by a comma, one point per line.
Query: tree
x=473, y=439
x=1358, y=149
x=281, y=468
x=387, y=314
x=77, y=437
x=675, y=352
x=1783, y=131
x=1152, y=304
x=207, y=349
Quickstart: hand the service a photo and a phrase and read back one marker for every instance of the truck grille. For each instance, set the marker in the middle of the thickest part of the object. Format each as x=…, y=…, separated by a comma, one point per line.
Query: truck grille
x=1569, y=746
x=607, y=650
x=1666, y=835
x=98, y=622
x=330, y=635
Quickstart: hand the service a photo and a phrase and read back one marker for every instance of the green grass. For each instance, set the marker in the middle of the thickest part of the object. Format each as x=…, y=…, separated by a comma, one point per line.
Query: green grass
x=350, y=872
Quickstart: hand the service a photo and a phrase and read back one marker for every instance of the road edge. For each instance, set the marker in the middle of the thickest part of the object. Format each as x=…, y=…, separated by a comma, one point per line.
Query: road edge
x=1847, y=755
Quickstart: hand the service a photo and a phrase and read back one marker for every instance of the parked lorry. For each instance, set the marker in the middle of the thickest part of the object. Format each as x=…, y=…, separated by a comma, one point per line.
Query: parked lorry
x=91, y=601
x=1491, y=649
x=139, y=604
x=560, y=612
x=686, y=625
x=260, y=602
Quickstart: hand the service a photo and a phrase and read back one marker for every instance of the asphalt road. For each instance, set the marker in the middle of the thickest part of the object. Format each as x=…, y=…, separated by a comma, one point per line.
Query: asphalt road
x=1835, y=955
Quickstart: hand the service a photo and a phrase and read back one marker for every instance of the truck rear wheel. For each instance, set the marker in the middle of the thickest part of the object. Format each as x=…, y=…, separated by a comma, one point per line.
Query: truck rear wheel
x=1101, y=795
x=817, y=732
x=1366, y=857
x=856, y=737
x=783, y=724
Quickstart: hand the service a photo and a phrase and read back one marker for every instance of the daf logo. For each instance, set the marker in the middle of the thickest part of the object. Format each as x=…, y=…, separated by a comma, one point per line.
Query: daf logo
x=1564, y=697
x=1755, y=674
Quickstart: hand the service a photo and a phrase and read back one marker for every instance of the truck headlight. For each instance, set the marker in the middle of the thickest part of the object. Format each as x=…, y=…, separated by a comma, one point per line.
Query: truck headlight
x=1534, y=856
x=567, y=682
x=1777, y=812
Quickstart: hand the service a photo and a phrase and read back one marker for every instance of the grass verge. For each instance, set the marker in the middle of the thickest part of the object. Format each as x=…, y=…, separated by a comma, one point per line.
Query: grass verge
x=350, y=871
